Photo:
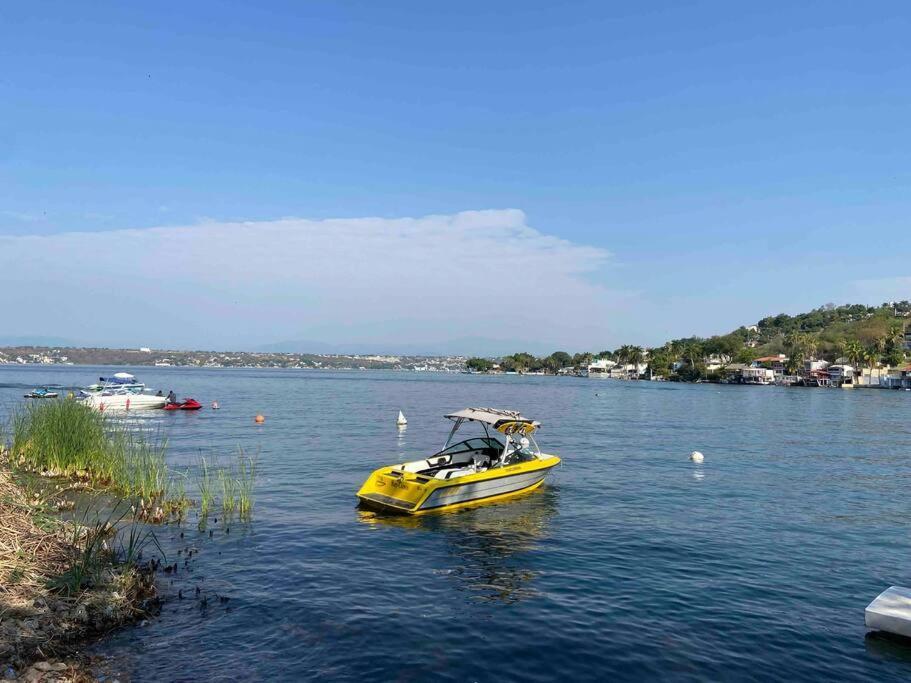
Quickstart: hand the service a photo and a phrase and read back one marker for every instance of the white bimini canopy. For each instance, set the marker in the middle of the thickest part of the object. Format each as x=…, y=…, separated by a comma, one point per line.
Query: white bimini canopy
x=492, y=416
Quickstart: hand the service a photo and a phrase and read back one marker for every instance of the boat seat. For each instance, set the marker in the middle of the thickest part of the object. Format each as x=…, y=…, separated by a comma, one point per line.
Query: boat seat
x=453, y=473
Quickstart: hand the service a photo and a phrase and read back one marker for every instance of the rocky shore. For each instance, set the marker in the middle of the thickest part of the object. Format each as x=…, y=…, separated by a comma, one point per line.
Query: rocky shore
x=50, y=605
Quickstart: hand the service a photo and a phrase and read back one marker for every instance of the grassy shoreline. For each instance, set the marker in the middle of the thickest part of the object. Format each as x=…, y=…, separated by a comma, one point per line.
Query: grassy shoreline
x=62, y=584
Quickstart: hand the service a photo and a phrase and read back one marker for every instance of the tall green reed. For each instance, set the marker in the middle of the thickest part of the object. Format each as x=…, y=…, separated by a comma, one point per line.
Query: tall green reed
x=68, y=438
x=246, y=477
x=206, y=484
x=228, y=490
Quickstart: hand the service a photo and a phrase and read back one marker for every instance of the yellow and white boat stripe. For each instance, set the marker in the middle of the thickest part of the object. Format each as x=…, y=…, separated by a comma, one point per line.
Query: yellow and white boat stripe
x=461, y=493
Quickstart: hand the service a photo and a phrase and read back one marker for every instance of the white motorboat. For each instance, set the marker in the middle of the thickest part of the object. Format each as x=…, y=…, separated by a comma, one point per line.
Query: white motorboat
x=121, y=392
x=124, y=400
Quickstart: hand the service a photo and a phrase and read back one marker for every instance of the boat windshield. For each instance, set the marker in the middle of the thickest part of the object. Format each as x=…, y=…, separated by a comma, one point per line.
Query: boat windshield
x=480, y=443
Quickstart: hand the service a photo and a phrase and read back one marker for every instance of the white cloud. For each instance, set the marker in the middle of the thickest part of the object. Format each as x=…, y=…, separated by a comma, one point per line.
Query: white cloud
x=471, y=274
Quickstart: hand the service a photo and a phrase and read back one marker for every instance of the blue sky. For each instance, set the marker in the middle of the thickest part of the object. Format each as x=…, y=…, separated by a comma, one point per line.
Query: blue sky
x=721, y=162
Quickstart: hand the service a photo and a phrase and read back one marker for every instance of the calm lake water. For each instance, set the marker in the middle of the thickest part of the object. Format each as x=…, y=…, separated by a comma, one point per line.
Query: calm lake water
x=632, y=563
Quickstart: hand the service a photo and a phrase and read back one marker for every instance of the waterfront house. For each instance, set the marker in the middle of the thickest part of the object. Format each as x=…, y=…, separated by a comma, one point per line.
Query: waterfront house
x=774, y=363
x=634, y=370
x=714, y=363
x=840, y=374
x=813, y=365
x=733, y=372
x=899, y=378
x=872, y=377
x=757, y=375
x=601, y=368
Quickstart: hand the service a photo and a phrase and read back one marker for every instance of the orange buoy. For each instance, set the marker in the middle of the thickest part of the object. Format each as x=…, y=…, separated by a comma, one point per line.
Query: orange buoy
x=259, y=419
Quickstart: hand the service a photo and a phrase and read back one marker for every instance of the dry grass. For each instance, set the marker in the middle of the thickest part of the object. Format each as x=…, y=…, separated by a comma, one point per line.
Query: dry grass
x=43, y=613
x=29, y=555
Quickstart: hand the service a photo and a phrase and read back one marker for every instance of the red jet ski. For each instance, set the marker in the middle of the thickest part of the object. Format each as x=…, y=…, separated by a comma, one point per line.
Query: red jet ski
x=188, y=404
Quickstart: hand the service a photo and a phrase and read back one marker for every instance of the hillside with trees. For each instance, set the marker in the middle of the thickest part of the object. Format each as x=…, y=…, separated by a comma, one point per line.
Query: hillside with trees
x=865, y=336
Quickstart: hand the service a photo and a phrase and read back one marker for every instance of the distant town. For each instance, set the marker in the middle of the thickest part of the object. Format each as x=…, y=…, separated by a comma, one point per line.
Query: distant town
x=145, y=356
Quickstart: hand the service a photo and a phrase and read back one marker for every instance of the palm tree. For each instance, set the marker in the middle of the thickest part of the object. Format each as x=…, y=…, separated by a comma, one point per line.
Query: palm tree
x=896, y=336
x=691, y=353
x=634, y=357
x=801, y=346
x=853, y=351
x=793, y=341
x=871, y=357
x=657, y=361
x=810, y=346
x=581, y=361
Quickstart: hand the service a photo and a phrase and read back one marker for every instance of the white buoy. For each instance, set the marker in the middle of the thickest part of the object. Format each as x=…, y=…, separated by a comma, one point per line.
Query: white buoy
x=890, y=612
x=697, y=457
x=401, y=421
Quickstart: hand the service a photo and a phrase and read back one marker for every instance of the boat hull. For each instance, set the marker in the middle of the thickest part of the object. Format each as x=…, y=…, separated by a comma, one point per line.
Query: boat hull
x=126, y=402
x=391, y=490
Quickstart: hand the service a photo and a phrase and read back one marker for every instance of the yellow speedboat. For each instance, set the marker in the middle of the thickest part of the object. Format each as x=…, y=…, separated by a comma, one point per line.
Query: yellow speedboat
x=483, y=469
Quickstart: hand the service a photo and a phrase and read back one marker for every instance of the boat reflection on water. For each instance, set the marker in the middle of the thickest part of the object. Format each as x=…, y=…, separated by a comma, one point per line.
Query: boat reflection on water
x=490, y=545
x=888, y=647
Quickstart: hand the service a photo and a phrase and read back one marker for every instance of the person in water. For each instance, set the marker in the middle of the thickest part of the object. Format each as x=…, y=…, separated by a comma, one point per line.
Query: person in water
x=172, y=397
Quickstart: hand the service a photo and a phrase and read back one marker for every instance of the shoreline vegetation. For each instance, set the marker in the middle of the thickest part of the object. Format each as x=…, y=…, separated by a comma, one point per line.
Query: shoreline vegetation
x=865, y=336
x=80, y=495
